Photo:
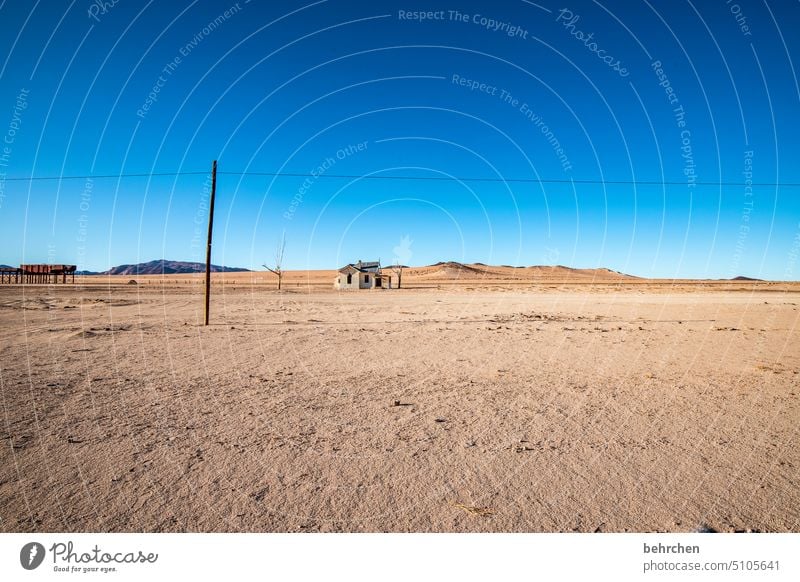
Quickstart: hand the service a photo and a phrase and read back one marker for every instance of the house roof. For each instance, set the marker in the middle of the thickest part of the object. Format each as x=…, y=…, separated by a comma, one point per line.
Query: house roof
x=370, y=267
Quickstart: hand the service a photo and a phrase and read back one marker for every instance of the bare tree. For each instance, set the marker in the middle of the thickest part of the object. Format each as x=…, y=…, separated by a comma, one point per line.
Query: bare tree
x=397, y=268
x=278, y=268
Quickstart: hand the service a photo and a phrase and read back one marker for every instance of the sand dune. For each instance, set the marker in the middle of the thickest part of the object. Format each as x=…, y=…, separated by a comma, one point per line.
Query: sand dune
x=449, y=274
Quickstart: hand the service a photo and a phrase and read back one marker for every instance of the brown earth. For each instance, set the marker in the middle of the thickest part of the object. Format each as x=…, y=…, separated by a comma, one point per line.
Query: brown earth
x=477, y=399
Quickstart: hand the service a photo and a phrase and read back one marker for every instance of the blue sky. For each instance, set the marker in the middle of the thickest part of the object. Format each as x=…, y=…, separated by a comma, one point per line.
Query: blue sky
x=693, y=94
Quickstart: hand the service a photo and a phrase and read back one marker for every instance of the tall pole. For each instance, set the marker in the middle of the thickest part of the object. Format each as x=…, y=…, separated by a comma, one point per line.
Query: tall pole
x=210, y=231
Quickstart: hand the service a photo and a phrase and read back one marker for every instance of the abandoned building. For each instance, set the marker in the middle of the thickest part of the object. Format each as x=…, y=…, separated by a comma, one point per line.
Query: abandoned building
x=362, y=276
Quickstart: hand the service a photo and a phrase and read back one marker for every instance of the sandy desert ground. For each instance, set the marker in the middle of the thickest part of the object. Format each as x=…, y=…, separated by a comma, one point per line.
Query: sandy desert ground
x=583, y=402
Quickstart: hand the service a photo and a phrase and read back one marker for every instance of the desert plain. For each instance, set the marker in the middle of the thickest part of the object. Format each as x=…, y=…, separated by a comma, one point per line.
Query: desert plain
x=473, y=399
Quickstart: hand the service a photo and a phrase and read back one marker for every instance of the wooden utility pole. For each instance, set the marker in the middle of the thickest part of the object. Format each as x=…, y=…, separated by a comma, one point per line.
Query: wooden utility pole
x=210, y=232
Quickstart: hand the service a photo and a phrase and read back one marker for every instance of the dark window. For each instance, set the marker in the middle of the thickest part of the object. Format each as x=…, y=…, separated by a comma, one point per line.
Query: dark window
x=377, y=281
x=366, y=278
x=349, y=278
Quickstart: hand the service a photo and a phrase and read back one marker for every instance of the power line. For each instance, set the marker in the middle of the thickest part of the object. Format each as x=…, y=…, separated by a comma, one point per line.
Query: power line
x=410, y=178
x=100, y=176
x=515, y=180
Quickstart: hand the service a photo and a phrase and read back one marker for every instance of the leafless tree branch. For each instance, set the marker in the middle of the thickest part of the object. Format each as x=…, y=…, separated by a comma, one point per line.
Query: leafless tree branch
x=278, y=268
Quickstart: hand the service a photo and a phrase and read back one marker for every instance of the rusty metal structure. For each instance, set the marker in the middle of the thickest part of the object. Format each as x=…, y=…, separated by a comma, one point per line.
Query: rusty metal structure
x=38, y=273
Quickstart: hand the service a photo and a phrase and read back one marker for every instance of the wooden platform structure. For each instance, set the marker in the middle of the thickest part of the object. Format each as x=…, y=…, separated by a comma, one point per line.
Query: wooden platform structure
x=10, y=275
x=39, y=273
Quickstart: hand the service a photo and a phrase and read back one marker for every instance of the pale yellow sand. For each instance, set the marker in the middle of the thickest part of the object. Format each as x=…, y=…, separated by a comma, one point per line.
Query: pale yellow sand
x=554, y=406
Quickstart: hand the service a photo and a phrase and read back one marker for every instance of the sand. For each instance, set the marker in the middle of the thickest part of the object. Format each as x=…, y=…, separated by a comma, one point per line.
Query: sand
x=483, y=404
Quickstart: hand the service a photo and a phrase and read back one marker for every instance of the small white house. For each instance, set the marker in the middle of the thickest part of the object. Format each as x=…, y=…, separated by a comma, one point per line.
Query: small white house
x=362, y=276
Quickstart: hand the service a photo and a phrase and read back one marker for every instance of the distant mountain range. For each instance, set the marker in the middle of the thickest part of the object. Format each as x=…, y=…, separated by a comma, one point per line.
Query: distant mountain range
x=445, y=269
x=163, y=267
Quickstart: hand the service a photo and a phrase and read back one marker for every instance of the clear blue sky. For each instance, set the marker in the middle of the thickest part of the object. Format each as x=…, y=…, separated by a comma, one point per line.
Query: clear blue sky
x=684, y=92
